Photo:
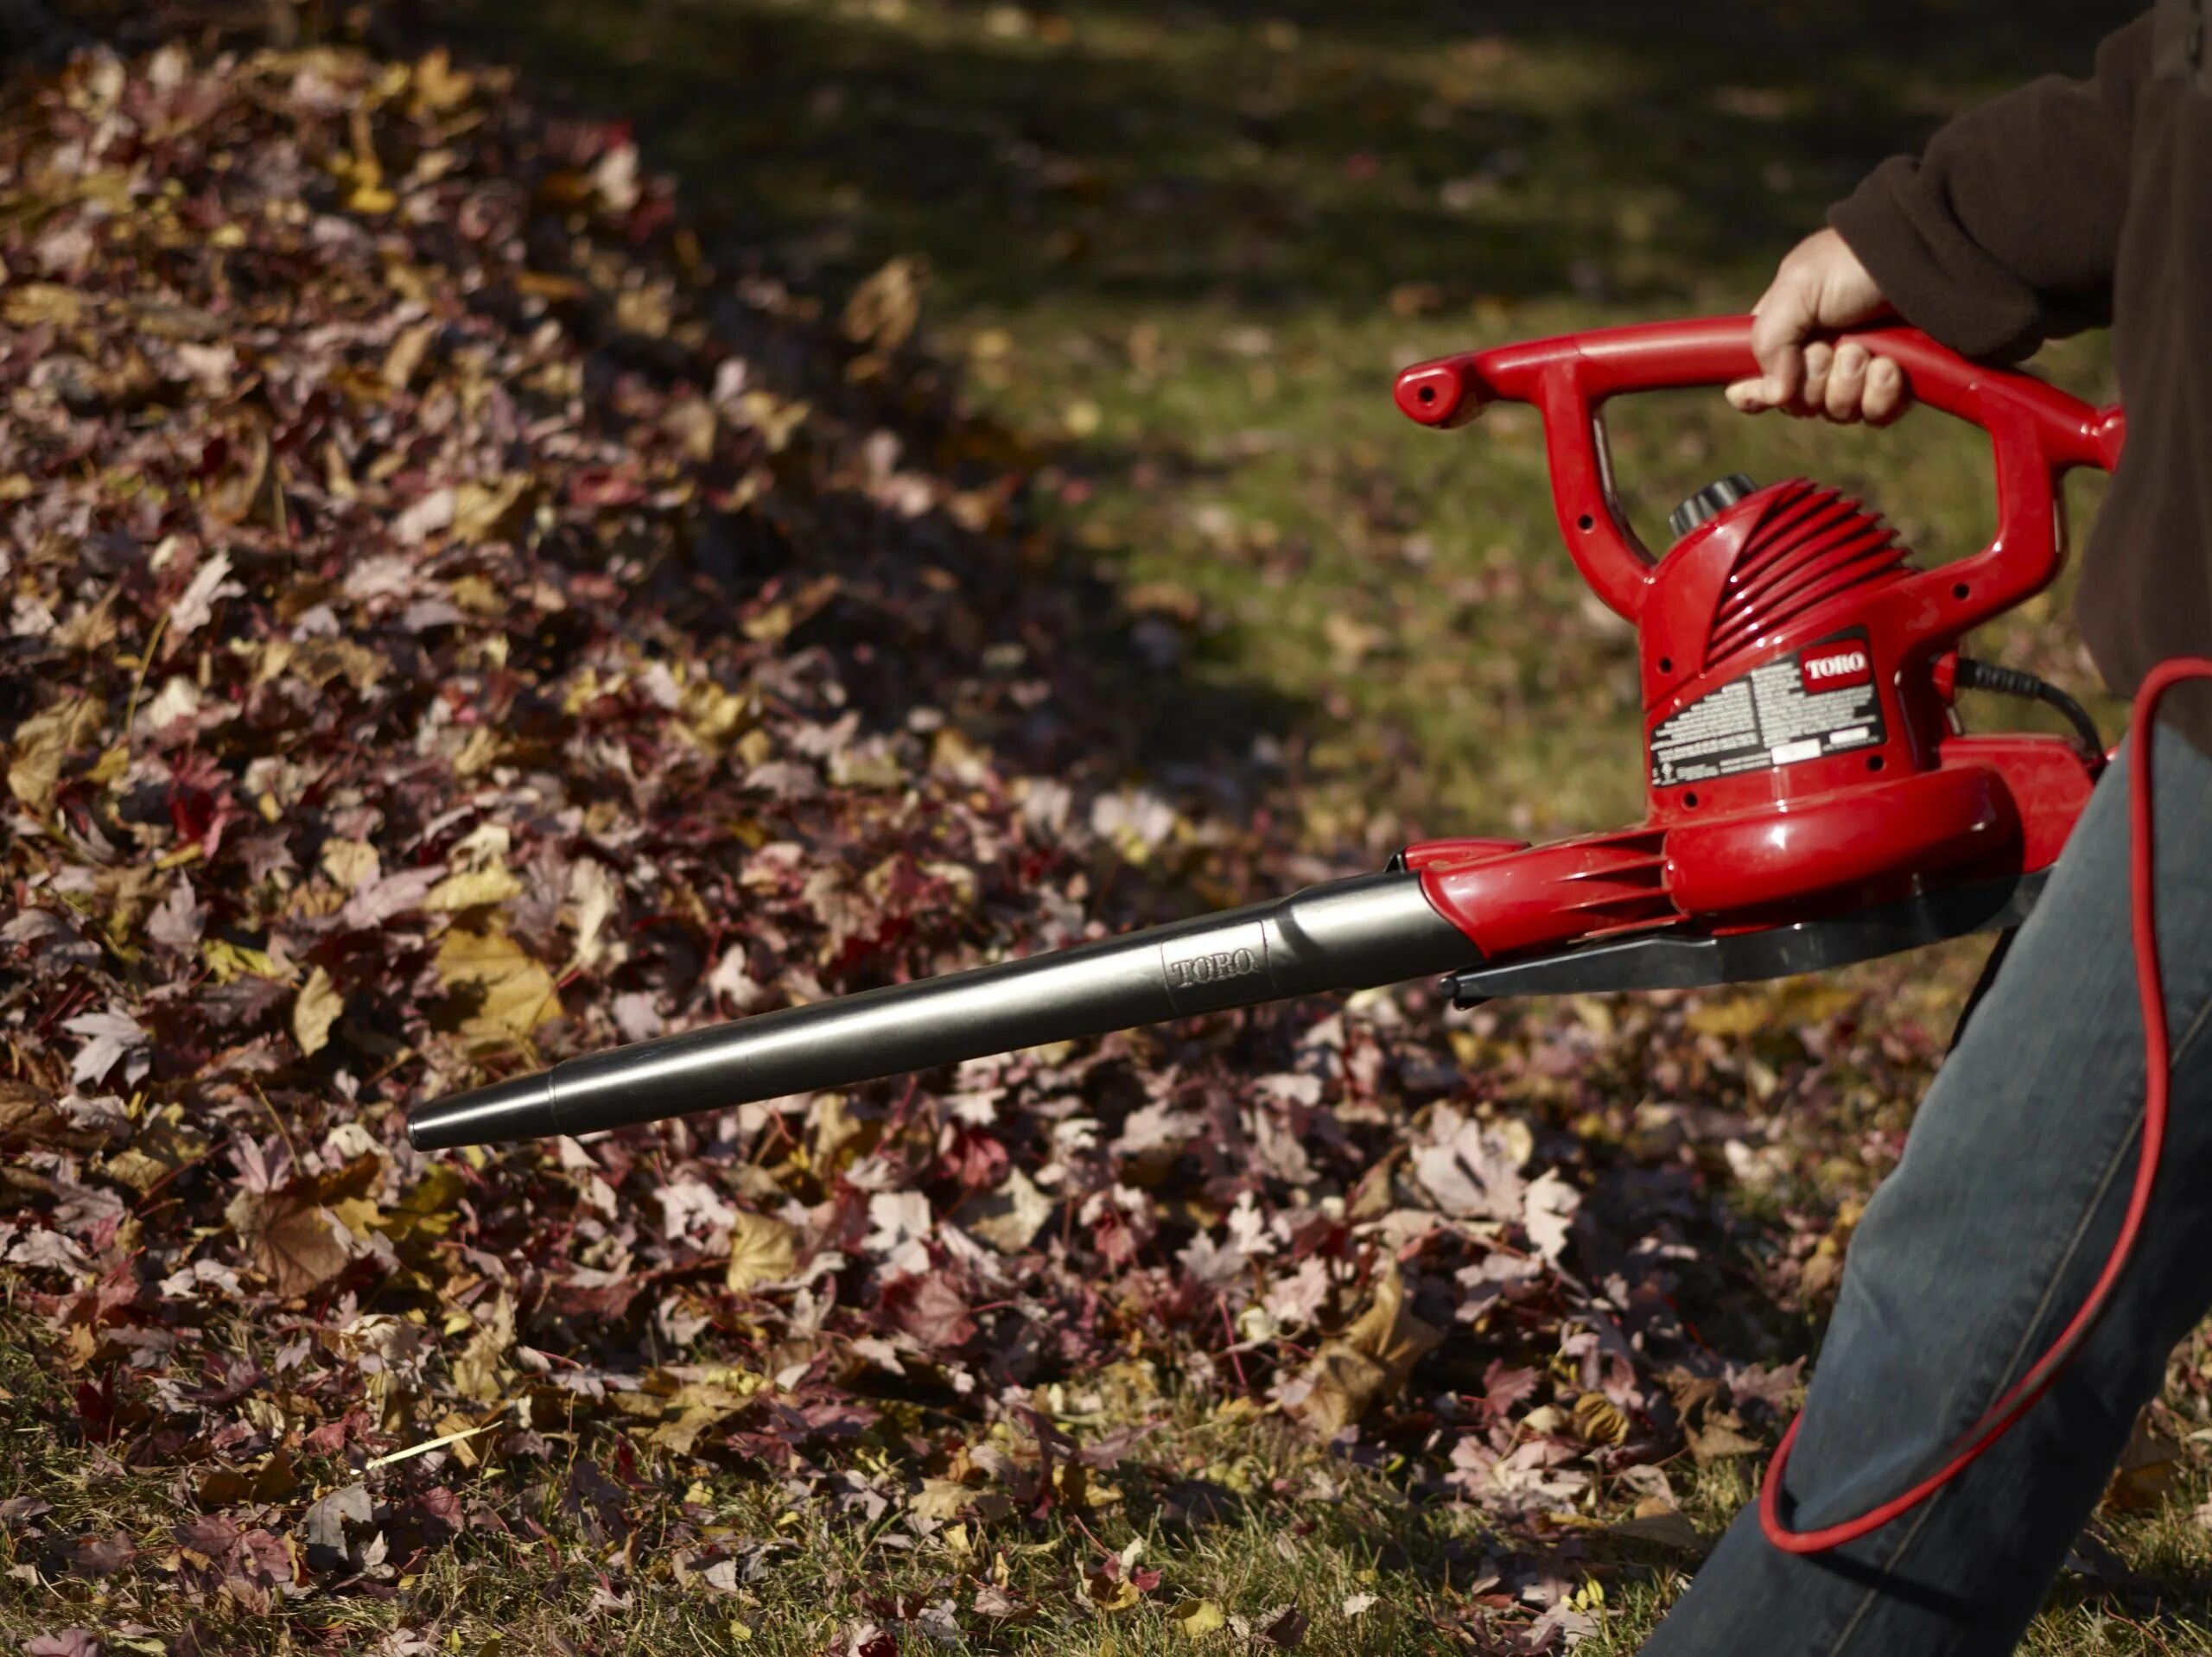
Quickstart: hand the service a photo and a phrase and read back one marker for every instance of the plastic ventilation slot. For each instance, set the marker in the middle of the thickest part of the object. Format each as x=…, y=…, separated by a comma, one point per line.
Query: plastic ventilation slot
x=1631, y=889
x=1812, y=545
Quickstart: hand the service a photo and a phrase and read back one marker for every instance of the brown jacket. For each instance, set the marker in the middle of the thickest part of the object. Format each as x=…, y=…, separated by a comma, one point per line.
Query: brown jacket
x=2076, y=204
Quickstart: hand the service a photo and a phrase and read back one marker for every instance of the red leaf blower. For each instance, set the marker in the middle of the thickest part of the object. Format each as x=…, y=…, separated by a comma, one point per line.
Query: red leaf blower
x=1814, y=799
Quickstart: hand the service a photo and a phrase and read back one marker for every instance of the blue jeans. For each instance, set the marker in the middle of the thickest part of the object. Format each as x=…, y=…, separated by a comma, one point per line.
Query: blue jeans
x=1973, y=1255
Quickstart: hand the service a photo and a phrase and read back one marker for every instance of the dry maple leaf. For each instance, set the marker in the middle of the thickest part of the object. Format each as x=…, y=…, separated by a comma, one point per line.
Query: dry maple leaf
x=761, y=1250
x=1370, y=1361
x=290, y=1238
x=502, y=994
x=314, y=1010
x=884, y=309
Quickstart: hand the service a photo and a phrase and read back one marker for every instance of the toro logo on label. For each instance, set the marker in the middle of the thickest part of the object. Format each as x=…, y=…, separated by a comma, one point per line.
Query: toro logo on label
x=1830, y=666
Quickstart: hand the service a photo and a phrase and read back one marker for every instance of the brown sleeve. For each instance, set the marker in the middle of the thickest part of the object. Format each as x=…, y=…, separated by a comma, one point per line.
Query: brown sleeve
x=2002, y=234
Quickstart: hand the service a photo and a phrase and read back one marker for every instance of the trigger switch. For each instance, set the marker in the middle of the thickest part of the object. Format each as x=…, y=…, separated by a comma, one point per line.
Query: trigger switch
x=1709, y=502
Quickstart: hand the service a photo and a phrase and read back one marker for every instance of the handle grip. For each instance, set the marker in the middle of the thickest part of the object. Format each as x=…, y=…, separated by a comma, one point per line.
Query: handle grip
x=2038, y=432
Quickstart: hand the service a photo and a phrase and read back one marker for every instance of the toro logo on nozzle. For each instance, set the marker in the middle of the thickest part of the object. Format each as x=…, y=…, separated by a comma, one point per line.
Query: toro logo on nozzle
x=1830, y=666
x=1214, y=969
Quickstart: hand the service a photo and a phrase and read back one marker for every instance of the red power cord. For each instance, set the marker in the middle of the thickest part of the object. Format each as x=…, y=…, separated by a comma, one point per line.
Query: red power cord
x=1999, y=1418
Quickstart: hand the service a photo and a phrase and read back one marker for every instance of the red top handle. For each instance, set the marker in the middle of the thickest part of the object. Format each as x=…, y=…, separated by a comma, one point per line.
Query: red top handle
x=2038, y=432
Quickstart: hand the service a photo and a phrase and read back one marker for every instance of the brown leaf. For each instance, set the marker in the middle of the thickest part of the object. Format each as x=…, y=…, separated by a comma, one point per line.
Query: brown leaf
x=1387, y=1332
x=290, y=1238
x=1370, y=1361
x=28, y=1115
x=2145, y=1478
x=1720, y=1438
x=1664, y=1527
x=941, y=1499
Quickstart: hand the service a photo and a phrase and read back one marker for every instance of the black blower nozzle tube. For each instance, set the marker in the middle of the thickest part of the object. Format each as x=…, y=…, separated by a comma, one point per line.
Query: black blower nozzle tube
x=1345, y=934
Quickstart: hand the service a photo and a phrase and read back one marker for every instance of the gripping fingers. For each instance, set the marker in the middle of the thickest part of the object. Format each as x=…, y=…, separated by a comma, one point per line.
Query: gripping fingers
x=1820, y=362
x=1846, y=391
x=1887, y=394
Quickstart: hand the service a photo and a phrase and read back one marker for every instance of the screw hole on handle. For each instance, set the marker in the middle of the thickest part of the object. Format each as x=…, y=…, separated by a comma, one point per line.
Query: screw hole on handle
x=1960, y=589
x=1873, y=762
x=1666, y=664
x=1427, y=394
x=1689, y=800
x=1586, y=522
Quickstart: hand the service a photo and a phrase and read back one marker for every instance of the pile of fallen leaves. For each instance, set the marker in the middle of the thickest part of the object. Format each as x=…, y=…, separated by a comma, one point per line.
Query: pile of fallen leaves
x=452, y=624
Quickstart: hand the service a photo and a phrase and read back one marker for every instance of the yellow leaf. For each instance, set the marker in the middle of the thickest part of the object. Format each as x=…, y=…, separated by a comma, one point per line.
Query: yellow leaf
x=503, y=993
x=1352, y=641
x=1738, y=1017
x=1115, y=1593
x=228, y=963
x=30, y=303
x=770, y=625
x=1197, y=1618
x=476, y=594
x=1597, y=1420
x=350, y=863
x=473, y=889
x=482, y=511
x=884, y=309
x=476, y=1371
x=773, y=419
x=112, y=766
x=42, y=742
x=404, y=358
x=437, y=84
x=160, y=1144
x=761, y=1250
x=941, y=1499
x=314, y=1012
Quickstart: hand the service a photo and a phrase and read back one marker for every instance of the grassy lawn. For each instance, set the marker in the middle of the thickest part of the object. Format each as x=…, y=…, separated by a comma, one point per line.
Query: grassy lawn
x=1181, y=249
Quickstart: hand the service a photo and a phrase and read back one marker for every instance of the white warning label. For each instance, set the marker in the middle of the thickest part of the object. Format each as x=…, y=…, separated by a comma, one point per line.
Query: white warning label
x=1819, y=701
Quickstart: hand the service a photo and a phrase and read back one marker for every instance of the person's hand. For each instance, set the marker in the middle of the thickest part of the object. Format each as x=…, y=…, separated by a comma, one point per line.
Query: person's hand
x=1820, y=286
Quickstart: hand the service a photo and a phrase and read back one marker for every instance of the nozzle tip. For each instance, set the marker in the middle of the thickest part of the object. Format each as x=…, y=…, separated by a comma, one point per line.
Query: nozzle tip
x=519, y=1109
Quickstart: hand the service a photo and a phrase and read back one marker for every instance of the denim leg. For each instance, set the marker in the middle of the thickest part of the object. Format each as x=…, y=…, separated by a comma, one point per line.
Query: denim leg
x=1973, y=1255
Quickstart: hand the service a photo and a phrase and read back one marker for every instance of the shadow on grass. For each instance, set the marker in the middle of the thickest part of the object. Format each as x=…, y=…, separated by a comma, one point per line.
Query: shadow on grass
x=1282, y=155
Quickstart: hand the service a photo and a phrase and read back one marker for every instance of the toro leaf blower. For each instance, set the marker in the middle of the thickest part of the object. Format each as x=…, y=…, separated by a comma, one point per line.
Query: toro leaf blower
x=1812, y=799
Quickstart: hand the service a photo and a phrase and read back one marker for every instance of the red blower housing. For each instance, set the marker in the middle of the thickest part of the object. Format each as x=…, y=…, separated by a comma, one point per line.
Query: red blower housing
x=1802, y=756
